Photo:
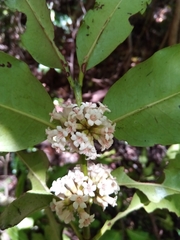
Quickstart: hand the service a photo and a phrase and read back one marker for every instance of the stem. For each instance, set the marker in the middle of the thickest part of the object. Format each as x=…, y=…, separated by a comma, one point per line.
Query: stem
x=55, y=227
x=71, y=81
x=108, y=224
x=78, y=88
x=78, y=93
x=86, y=230
x=86, y=233
x=76, y=231
x=81, y=77
x=83, y=164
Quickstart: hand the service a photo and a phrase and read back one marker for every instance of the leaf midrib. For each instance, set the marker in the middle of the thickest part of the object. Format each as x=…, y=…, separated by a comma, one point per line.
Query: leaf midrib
x=60, y=57
x=145, y=107
x=32, y=117
x=86, y=58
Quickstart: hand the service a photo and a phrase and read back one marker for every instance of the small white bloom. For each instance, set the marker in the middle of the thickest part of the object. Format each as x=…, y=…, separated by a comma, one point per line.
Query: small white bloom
x=93, y=116
x=76, y=191
x=99, y=200
x=88, y=150
x=103, y=187
x=89, y=188
x=85, y=219
x=79, y=200
x=103, y=108
x=110, y=200
x=55, y=115
x=79, y=139
x=51, y=134
x=64, y=213
x=79, y=177
x=70, y=126
x=59, y=189
x=79, y=127
x=67, y=216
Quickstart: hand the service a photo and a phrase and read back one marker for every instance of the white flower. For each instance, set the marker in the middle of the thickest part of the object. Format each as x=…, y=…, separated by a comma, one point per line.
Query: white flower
x=79, y=177
x=103, y=108
x=79, y=200
x=100, y=201
x=59, y=189
x=79, y=139
x=61, y=135
x=89, y=188
x=103, y=187
x=88, y=105
x=88, y=150
x=70, y=126
x=85, y=219
x=77, y=192
x=67, y=216
x=63, y=212
x=51, y=134
x=79, y=127
x=94, y=117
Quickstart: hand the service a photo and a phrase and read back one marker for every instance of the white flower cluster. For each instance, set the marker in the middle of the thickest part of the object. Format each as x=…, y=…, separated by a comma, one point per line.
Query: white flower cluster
x=79, y=127
x=77, y=192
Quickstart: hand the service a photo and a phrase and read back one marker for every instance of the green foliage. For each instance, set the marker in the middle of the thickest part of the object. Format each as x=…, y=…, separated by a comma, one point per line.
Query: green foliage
x=24, y=106
x=138, y=235
x=16, y=234
x=37, y=169
x=144, y=103
x=115, y=235
x=154, y=191
x=22, y=207
x=37, y=198
x=104, y=28
x=38, y=38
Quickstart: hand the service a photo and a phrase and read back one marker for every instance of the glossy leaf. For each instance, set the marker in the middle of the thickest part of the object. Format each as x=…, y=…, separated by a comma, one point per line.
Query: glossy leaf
x=134, y=205
x=112, y=234
x=16, y=234
x=22, y=207
x=37, y=163
x=155, y=192
x=24, y=106
x=171, y=203
x=38, y=37
x=104, y=28
x=37, y=198
x=145, y=102
x=138, y=235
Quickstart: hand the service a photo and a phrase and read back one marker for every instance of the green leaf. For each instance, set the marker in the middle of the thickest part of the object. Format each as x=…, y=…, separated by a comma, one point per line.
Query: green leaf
x=37, y=236
x=24, y=106
x=37, y=198
x=134, y=205
x=171, y=203
x=37, y=163
x=155, y=192
x=138, y=235
x=16, y=234
x=38, y=38
x=22, y=207
x=112, y=234
x=104, y=28
x=145, y=102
